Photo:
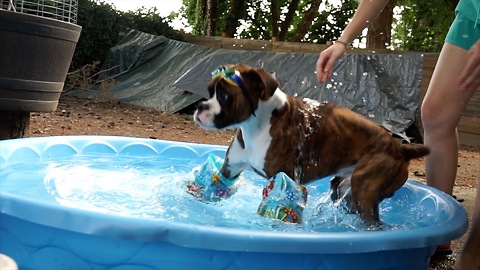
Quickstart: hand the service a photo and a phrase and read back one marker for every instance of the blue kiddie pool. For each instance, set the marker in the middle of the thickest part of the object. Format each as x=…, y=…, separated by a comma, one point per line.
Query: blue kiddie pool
x=94, y=202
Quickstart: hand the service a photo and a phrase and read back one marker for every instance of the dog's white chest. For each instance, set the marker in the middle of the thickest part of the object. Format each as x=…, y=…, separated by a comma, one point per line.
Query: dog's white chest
x=253, y=155
x=256, y=137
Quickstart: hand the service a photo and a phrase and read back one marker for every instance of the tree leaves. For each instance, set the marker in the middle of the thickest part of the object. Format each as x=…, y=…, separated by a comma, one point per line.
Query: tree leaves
x=101, y=23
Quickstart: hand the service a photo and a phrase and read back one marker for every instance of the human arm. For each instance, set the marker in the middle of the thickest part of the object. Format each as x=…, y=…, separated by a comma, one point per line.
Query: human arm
x=367, y=11
x=470, y=78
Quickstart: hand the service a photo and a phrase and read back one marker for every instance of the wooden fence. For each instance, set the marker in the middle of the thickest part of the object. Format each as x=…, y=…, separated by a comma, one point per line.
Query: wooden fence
x=468, y=127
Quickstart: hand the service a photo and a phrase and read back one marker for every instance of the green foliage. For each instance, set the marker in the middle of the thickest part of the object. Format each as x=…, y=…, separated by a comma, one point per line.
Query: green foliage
x=329, y=24
x=423, y=25
x=256, y=23
x=99, y=32
x=195, y=14
x=148, y=21
x=101, y=24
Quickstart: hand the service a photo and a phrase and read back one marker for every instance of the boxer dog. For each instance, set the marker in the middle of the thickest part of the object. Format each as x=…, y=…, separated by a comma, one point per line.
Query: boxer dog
x=305, y=139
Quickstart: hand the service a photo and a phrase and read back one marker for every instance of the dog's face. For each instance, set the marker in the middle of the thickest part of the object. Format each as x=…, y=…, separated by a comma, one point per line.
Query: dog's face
x=235, y=92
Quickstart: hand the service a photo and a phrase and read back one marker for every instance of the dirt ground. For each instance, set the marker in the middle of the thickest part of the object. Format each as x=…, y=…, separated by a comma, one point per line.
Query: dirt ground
x=76, y=116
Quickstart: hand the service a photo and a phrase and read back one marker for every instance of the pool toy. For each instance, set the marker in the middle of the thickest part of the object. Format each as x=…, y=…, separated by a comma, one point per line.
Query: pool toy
x=209, y=183
x=283, y=199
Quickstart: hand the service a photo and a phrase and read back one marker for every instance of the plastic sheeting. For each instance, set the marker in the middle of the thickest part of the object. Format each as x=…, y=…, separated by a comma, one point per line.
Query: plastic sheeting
x=170, y=75
x=144, y=68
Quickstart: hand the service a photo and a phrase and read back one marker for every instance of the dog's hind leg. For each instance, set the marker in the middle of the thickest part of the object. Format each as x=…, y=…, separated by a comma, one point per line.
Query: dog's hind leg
x=375, y=178
x=340, y=188
x=334, y=184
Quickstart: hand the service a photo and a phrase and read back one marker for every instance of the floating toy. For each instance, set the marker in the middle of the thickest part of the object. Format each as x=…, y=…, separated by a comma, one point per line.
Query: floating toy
x=283, y=199
x=210, y=184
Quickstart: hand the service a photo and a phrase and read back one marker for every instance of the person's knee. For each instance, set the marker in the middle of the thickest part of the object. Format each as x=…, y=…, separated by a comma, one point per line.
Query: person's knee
x=430, y=116
x=435, y=119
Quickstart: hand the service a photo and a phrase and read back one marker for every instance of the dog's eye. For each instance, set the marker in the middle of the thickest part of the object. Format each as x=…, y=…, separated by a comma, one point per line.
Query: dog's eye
x=223, y=96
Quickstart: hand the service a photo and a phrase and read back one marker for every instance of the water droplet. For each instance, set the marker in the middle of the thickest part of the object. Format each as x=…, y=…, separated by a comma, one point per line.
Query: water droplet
x=371, y=115
x=365, y=73
x=335, y=73
x=329, y=86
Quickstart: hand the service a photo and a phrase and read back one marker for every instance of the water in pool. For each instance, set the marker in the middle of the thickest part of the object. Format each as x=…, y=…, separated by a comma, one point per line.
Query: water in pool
x=154, y=188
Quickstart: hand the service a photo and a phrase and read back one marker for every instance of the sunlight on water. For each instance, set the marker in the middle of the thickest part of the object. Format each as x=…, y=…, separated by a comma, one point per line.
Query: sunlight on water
x=154, y=188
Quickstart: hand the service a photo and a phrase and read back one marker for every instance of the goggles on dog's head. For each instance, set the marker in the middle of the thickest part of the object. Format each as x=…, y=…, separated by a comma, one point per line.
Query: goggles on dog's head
x=230, y=75
x=233, y=77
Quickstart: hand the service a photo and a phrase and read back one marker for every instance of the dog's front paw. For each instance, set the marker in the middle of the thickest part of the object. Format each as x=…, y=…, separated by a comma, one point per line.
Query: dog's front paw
x=209, y=184
x=283, y=199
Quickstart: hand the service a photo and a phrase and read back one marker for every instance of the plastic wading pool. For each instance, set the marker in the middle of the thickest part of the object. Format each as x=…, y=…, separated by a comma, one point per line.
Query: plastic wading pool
x=48, y=222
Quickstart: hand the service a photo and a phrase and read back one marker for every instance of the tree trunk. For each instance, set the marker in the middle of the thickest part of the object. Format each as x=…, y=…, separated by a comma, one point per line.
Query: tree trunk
x=212, y=17
x=306, y=21
x=233, y=18
x=13, y=125
x=380, y=30
x=292, y=8
x=200, y=16
x=275, y=19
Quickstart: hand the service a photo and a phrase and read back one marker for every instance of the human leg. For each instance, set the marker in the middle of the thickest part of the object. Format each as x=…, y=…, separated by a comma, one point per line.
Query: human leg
x=470, y=257
x=441, y=110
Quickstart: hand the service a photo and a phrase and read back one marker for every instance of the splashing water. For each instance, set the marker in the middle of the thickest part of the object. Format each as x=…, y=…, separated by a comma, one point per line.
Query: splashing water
x=154, y=188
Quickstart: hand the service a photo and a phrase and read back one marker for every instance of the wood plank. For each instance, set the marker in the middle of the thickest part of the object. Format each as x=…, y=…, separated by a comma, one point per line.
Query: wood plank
x=469, y=139
x=473, y=106
x=469, y=124
x=281, y=46
x=245, y=44
x=214, y=42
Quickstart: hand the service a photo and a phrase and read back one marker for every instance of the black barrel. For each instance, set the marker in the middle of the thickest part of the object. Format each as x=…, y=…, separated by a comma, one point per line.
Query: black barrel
x=35, y=55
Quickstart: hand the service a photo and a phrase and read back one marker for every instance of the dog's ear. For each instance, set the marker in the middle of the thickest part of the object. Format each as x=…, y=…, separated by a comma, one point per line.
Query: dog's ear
x=269, y=82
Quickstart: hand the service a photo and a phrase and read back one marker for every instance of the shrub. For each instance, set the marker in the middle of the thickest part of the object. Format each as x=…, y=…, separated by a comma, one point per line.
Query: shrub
x=101, y=23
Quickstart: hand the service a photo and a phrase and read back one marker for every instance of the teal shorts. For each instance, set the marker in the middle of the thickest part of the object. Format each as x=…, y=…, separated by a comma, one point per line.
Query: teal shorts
x=463, y=32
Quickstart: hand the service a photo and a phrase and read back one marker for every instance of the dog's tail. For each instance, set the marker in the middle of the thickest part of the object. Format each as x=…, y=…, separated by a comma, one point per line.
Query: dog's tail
x=414, y=150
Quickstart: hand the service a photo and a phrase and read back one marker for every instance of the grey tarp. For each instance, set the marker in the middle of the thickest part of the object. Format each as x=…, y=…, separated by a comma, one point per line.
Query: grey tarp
x=170, y=75
x=145, y=67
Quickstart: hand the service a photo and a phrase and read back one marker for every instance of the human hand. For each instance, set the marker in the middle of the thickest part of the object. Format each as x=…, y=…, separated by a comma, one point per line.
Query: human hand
x=470, y=78
x=326, y=60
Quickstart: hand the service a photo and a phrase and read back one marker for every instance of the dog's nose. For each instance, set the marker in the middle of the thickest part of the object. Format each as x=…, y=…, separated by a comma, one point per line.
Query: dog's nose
x=202, y=106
